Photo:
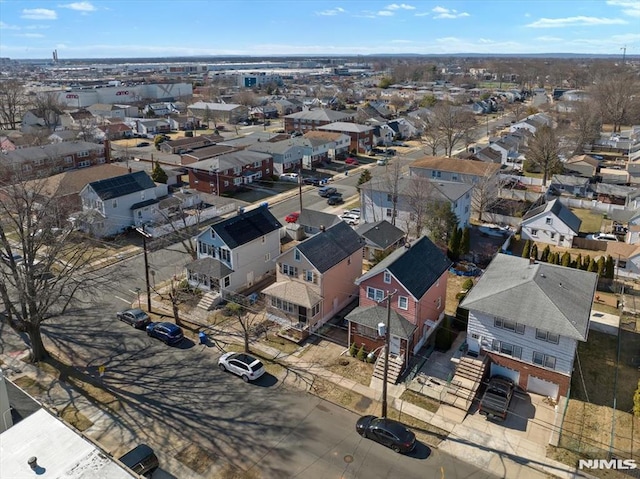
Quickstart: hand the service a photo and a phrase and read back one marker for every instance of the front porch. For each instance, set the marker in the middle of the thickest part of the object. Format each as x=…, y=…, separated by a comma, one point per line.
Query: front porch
x=208, y=274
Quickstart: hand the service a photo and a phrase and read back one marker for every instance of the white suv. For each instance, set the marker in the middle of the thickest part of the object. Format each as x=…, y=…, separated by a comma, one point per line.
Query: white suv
x=289, y=177
x=244, y=365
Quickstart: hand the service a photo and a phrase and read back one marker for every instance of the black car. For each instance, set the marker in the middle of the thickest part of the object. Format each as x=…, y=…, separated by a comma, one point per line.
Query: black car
x=141, y=460
x=142, y=143
x=7, y=259
x=135, y=317
x=168, y=333
x=327, y=191
x=387, y=432
x=335, y=200
x=311, y=180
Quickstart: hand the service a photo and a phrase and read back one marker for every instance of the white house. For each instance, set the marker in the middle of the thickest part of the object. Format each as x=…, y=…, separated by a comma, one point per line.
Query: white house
x=113, y=205
x=528, y=317
x=237, y=252
x=551, y=223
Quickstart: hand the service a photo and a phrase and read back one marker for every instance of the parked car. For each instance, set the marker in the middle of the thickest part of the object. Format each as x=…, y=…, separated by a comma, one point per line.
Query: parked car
x=142, y=143
x=135, y=317
x=350, y=218
x=377, y=151
x=387, y=432
x=495, y=400
x=355, y=211
x=292, y=217
x=141, y=460
x=335, y=200
x=351, y=161
x=7, y=258
x=602, y=237
x=168, y=333
x=381, y=162
x=243, y=365
x=289, y=177
x=311, y=180
x=390, y=152
x=327, y=191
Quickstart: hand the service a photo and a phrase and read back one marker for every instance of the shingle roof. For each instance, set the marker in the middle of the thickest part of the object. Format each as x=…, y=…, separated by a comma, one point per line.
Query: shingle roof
x=315, y=219
x=381, y=234
x=371, y=316
x=209, y=266
x=122, y=185
x=328, y=248
x=416, y=267
x=320, y=115
x=557, y=208
x=294, y=292
x=246, y=227
x=541, y=295
x=441, y=190
x=142, y=204
x=341, y=126
x=455, y=165
x=71, y=182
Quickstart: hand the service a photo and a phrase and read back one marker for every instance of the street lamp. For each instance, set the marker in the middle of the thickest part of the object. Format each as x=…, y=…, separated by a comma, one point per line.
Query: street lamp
x=385, y=330
x=145, y=235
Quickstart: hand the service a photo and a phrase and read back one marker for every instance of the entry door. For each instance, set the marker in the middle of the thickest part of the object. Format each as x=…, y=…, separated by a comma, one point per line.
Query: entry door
x=394, y=345
x=250, y=278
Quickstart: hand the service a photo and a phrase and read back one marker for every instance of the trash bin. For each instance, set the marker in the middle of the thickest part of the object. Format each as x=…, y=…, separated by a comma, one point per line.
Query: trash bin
x=203, y=337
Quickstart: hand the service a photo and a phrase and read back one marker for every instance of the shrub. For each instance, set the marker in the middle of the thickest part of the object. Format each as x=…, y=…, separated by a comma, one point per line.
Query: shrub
x=362, y=354
x=636, y=401
x=353, y=350
x=526, y=250
x=468, y=284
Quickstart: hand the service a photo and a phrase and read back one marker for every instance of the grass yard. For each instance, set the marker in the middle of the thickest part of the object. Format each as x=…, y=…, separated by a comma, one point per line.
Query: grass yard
x=454, y=286
x=420, y=400
x=591, y=220
x=351, y=368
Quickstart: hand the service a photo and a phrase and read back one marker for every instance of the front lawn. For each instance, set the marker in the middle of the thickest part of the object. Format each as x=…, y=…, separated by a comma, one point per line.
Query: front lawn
x=591, y=220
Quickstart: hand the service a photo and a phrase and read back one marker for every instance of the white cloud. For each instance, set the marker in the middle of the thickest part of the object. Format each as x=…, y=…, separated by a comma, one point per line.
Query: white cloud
x=629, y=7
x=422, y=14
x=39, y=14
x=402, y=6
x=547, y=38
x=580, y=21
x=30, y=35
x=80, y=6
x=332, y=12
x=442, y=12
x=6, y=26
x=385, y=13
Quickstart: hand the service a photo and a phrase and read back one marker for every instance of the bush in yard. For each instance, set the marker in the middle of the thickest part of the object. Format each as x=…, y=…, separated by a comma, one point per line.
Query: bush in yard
x=601, y=266
x=636, y=401
x=353, y=350
x=362, y=354
x=534, y=251
x=467, y=285
x=593, y=266
x=545, y=254
x=526, y=250
x=609, y=268
x=465, y=242
x=566, y=259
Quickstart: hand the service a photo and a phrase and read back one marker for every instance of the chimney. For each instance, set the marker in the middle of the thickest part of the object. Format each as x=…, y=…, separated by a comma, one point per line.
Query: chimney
x=33, y=463
x=322, y=229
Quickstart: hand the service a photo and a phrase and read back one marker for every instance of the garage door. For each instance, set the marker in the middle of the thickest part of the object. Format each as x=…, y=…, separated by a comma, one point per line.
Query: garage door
x=540, y=386
x=497, y=370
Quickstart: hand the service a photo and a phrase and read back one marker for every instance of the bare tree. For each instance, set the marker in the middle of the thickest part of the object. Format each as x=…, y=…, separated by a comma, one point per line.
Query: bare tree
x=248, y=319
x=586, y=125
x=542, y=152
x=417, y=195
x=47, y=271
x=484, y=194
x=392, y=186
x=13, y=102
x=47, y=107
x=616, y=94
x=246, y=98
x=452, y=123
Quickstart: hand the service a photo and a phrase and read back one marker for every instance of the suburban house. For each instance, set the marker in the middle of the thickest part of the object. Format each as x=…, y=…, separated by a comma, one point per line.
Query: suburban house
x=569, y=185
x=528, y=317
x=308, y=120
x=550, y=223
x=286, y=155
x=315, y=279
x=113, y=205
x=46, y=160
x=377, y=200
x=626, y=255
x=452, y=169
x=106, y=111
x=205, y=153
x=181, y=145
x=414, y=279
x=361, y=135
x=313, y=221
x=235, y=253
x=218, y=112
x=531, y=123
x=487, y=155
x=582, y=165
x=338, y=143
x=626, y=196
x=229, y=172
x=381, y=238
x=152, y=126
x=114, y=131
x=314, y=150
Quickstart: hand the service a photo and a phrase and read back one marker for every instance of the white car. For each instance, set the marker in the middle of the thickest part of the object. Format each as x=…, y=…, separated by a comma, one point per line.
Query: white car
x=289, y=177
x=350, y=218
x=244, y=365
x=602, y=237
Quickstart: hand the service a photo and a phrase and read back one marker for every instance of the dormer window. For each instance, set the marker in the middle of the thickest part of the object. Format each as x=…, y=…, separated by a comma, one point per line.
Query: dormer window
x=387, y=277
x=296, y=255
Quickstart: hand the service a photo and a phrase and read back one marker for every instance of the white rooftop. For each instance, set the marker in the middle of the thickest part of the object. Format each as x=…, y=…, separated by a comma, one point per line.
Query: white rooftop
x=60, y=452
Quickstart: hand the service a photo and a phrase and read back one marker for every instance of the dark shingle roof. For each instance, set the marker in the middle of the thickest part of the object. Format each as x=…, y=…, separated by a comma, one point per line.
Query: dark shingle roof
x=381, y=234
x=328, y=248
x=417, y=267
x=246, y=227
x=315, y=219
x=122, y=185
x=562, y=212
x=144, y=203
x=371, y=316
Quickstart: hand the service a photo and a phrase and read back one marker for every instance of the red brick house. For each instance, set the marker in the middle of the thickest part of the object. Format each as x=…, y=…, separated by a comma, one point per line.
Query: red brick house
x=415, y=278
x=361, y=135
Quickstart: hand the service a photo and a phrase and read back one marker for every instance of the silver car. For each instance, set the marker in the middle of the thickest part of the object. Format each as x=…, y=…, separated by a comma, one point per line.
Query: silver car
x=244, y=365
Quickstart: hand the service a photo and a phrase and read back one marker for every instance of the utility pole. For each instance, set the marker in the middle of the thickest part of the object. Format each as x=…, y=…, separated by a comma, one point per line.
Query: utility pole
x=386, y=328
x=300, y=185
x=624, y=54
x=146, y=235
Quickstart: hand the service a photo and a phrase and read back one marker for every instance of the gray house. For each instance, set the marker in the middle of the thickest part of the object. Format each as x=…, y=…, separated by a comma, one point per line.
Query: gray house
x=380, y=237
x=286, y=155
x=569, y=185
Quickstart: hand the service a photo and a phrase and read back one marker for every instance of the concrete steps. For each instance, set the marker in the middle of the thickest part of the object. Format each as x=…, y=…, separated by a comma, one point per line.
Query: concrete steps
x=396, y=366
x=209, y=300
x=465, y=382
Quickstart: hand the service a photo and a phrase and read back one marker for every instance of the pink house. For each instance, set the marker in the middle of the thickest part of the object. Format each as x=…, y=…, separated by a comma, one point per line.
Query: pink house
x=415, y=280
x=315, y=279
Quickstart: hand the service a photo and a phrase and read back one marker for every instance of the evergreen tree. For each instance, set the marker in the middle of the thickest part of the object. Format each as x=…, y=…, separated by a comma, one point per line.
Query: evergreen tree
x=592, y=267
x=534, y=251
x=578, y=262
x=566, y=259
x=158, y=174
x=465, y=242
x=454, y=243
x=610, y=268
x=585, y=263
x=364, y=177
x=601, y=266
x=526, y=250
x=545, y=254
x=556, y=258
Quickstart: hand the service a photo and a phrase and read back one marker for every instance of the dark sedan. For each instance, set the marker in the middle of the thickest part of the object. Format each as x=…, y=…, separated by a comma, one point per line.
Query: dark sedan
x=387, y=432
x=168, y=333
x=135, y=317
x=335, y=200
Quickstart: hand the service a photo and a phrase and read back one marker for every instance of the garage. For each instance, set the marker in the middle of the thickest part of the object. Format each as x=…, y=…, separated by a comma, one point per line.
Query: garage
x=497, y=370
x=542, y=387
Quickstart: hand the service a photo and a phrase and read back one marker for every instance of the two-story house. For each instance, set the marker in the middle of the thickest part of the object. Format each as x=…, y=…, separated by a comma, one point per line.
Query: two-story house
x=315, y=279
x=381, y=238
x=308, y=120
x=337, y=143
x=286, y=155
x=453, y=169
x=361, y=135
x=112, y=205
x=528, y=317
x=551, y=223
x=235, y=253
x=414, y=279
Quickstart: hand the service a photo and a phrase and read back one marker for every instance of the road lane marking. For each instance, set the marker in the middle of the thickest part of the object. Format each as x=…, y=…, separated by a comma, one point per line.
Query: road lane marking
x=122, y=299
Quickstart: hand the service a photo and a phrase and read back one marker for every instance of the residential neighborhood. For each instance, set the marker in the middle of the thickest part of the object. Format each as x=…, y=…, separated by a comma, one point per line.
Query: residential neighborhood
x=362, y=243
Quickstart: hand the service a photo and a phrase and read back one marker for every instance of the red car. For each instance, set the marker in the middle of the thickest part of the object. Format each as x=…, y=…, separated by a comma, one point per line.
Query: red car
x=292, y=217
x=351, y=161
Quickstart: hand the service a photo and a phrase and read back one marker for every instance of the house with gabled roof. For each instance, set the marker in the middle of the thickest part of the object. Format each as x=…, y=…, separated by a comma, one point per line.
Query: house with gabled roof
x=414, y=279
x=550, y=223
x=112, y=205
x=308, y=120
x=381, y=238
x=582, y=165
x=361, y=135
x=569, y=185
x=528, y=317
x=236, y=253
x=315, y=279
x=314, y=221
x=286, y=155
x=337, y=143
x=454, y=169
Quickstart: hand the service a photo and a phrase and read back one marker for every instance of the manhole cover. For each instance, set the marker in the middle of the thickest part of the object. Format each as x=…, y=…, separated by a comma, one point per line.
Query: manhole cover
x=348, y=458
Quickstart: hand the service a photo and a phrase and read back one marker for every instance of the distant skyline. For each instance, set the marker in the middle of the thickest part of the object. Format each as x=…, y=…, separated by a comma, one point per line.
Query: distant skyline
x=162, y=28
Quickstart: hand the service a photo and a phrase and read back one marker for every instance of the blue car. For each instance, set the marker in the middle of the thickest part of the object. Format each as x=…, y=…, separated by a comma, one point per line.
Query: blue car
x=168, y=333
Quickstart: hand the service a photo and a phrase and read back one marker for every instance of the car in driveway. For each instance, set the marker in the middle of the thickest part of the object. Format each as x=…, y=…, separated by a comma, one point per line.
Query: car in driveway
x=293, y=177
x=168, y=333
x=602, y=237
x=292, y=217
x=496, y=399
x=135, y=317
x=311, y=180
x=387, y=432
x=143, y=143
x=327, y=191
x=243, y=365
x=335, y=200
x=381, y=162
x=351, y=161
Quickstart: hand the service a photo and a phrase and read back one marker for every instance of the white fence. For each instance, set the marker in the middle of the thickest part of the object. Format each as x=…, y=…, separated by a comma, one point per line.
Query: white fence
x=589, y=204
x=156, y=231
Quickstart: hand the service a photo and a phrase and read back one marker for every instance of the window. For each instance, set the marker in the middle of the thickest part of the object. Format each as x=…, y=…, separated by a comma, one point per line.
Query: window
x=454, y=177
x=82, y=154
x=389, y=197
x=622, y=264
x=226, y=183
x=237, y=170
x=263, y=239
x=549, y=221
x=506, y=348
x=309, y=276
x=256, y=164
x=227, y=281
x=534, y=232
x=267, y=257
x=475, y=335
x=225, y=255
x=561, y=238
x=403, y=302
x=375, y=294
x=315, y=310
x=296, y=255
x=26, y=167
x=68, y=160
x=387, y=277
x=553, y=235
x=509, y=325
x=388, y=212
x=544, y=360
x=439, y=302
x=436, y=174
x=283, y=305
x=237, y=181
x=114, y=204
x=289, y=270
x=547, y=336
x=366, y=331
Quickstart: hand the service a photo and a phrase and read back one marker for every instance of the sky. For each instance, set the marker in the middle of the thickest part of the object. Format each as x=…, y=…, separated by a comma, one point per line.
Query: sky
x=163, y=28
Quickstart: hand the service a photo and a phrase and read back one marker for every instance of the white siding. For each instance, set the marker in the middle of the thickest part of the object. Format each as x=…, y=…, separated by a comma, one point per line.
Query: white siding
x=564, y=352
x=545, y=230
